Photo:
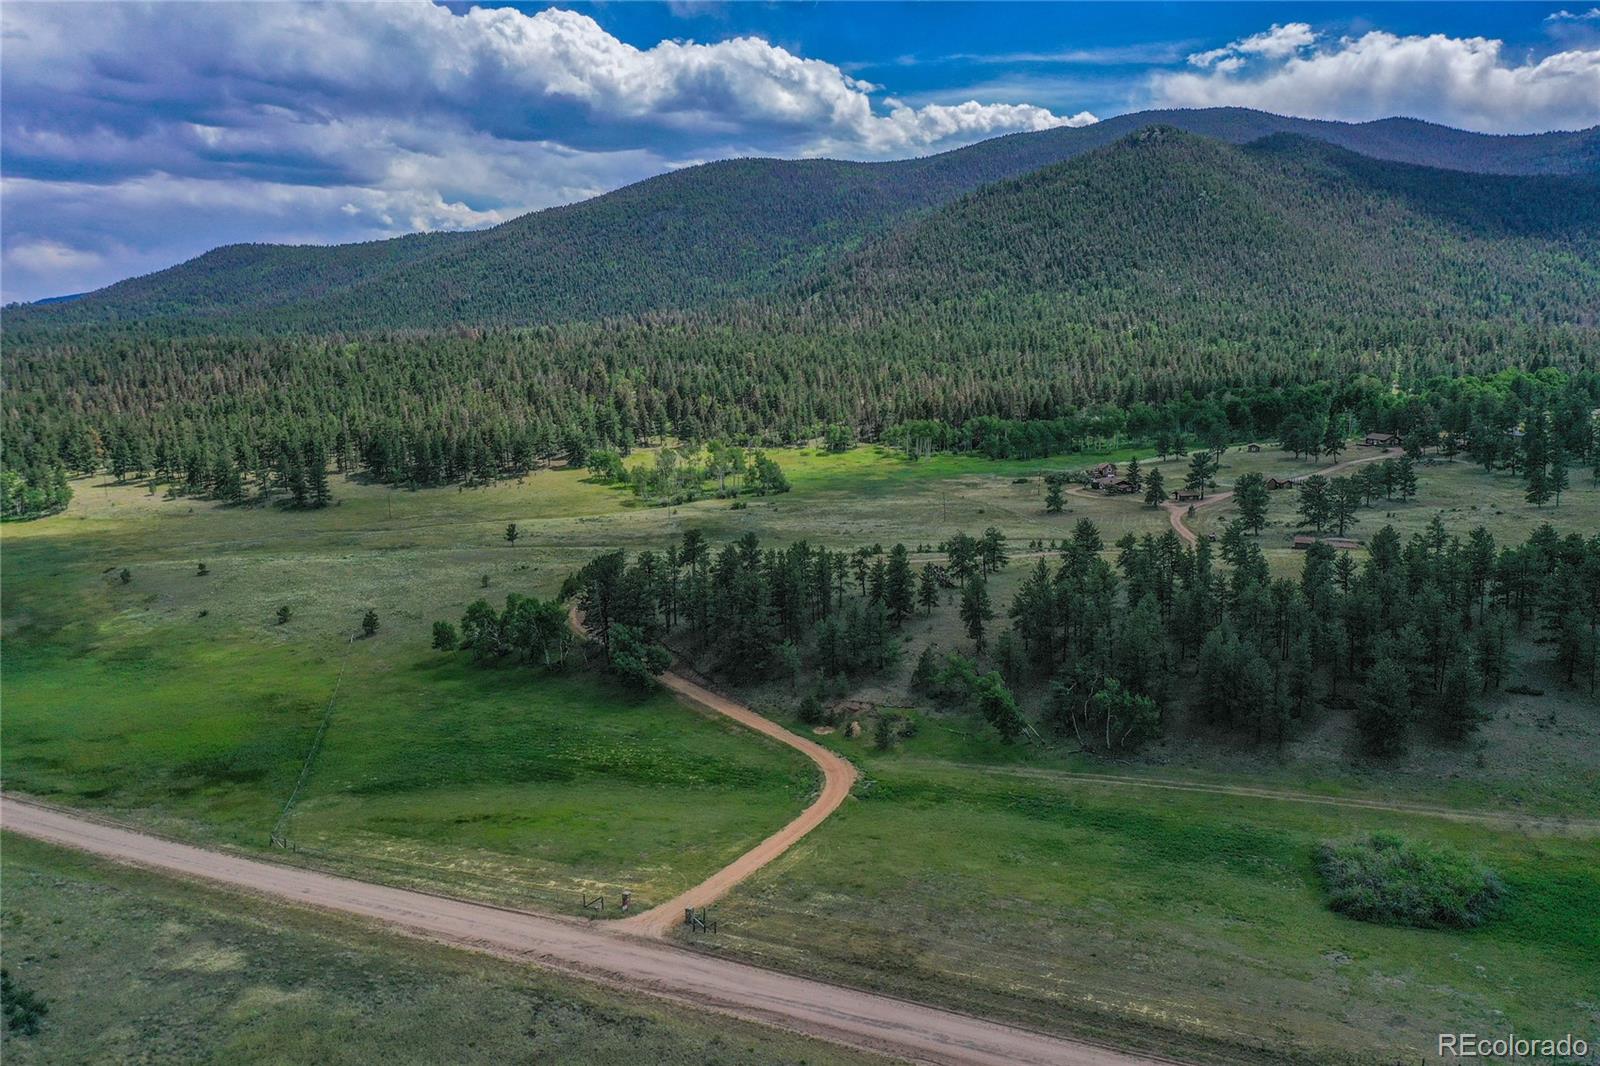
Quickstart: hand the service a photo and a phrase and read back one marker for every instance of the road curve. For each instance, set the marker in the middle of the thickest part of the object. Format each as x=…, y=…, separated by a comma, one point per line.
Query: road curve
x=1177, y=511
x=838, y=777
x=598, y=952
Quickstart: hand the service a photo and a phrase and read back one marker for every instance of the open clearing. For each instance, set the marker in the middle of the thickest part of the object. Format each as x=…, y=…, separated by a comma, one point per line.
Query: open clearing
x=601, y=954
x=143, y=967
x=963, y=869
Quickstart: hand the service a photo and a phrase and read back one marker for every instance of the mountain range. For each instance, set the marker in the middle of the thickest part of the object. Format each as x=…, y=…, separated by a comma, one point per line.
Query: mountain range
x=1436, y=219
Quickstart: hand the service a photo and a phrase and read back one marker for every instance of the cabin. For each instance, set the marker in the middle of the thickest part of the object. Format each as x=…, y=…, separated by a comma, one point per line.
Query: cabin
x=1381, y=439
x=1185, y=495
x=1114, y=484
x=1516, y=434
x=1252, y=447
x=1103, y=470
x=1304, y=541
x=1280, y=482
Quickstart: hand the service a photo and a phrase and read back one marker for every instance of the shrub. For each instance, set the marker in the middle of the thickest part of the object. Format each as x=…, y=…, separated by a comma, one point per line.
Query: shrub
x=24, y=1011
x=1387, y=879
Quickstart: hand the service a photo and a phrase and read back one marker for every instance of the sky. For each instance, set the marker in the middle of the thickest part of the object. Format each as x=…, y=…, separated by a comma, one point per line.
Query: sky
x=136, y=136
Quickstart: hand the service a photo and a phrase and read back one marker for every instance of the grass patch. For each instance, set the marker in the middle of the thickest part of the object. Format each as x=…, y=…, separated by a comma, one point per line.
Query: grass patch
x=1186, y=924
x=137, y=967
x=1387, y=879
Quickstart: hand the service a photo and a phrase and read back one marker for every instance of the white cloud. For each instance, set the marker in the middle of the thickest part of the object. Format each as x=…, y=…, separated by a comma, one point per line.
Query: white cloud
x=345, y=121
x=48, y=255
x=1467, y=82
x=1274, y=43
x=1567, y=16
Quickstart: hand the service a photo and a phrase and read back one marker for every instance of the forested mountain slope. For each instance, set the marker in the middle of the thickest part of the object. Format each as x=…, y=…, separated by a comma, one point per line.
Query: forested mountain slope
x=1162, y=265
x=695, y=238
x=1182, y=230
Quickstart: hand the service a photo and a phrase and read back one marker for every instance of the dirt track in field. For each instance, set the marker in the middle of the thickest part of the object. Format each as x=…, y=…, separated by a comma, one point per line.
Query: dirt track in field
x=598, y=952
x=838, y=777
x=1177, y=511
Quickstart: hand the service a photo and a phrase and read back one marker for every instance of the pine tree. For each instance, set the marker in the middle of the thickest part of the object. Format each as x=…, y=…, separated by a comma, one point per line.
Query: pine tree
x=1344, y=499
x=975, y=611
x=1155, y=492
x=1539, y=492
x=1556, y=480
x=928, y=588
x=1202, y=471
x=1134, y=475
x=318, y=492
x=898, y=591
x=1052, y=495
x=1455, y=710
x=1406, y=477
x=1384, y=709
x=1332, y=439
x=924, y=675
x=512, y=533
x=1313, y=505
x=1252, y=497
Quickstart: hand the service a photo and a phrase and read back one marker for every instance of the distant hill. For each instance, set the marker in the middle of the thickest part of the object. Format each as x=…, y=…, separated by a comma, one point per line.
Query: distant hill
x=1164, y=220
x=700, y=237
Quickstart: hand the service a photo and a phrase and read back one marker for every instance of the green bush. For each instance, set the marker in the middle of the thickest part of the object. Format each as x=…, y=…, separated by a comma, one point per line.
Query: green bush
x=24, y=1011
x=1388, y=879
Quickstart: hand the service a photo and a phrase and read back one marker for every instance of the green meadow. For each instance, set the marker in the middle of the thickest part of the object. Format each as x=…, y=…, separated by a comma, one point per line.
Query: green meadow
x=1170, y=920
x=134, y=967
x=963, y=870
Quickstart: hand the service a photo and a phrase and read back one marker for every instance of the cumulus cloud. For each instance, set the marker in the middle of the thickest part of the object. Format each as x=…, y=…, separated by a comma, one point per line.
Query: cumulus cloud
x=346, y=121
x=1274, y=43
x=1567, y=16
x=1468, y=82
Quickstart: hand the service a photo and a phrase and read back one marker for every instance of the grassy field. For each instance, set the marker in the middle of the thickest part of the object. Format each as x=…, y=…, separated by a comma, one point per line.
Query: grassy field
x=1186, y=923
x=977, y=873
x=139, y=968
x=501, y=782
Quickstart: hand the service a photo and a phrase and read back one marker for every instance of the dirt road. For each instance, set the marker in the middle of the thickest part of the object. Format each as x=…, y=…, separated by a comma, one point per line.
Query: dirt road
x=838, y=776
x=594, y=951
x=1177, y=511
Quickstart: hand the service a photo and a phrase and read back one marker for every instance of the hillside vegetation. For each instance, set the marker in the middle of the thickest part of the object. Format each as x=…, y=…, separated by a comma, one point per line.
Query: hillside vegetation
x=700, y=236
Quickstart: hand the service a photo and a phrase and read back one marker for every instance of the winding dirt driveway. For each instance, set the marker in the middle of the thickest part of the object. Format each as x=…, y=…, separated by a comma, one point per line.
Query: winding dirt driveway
x=838, y=777
x=1177, y=511
x=593, y=951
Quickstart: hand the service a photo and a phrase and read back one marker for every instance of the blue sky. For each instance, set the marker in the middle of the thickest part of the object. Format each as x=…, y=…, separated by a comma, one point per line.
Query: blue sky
x=137, y=136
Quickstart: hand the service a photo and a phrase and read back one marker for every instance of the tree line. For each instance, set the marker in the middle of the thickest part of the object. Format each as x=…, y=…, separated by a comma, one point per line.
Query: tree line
x=405, y=412
x=1109, y=641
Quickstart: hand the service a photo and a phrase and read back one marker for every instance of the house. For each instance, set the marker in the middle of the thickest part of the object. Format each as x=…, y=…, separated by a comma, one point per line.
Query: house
x=1280, y=482
x=1516, y=434
x=1114, y=484
x=1253, y=448
x=1378, y=438
x=1303, y=541
x=1103, y=470
x=1184, y=495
